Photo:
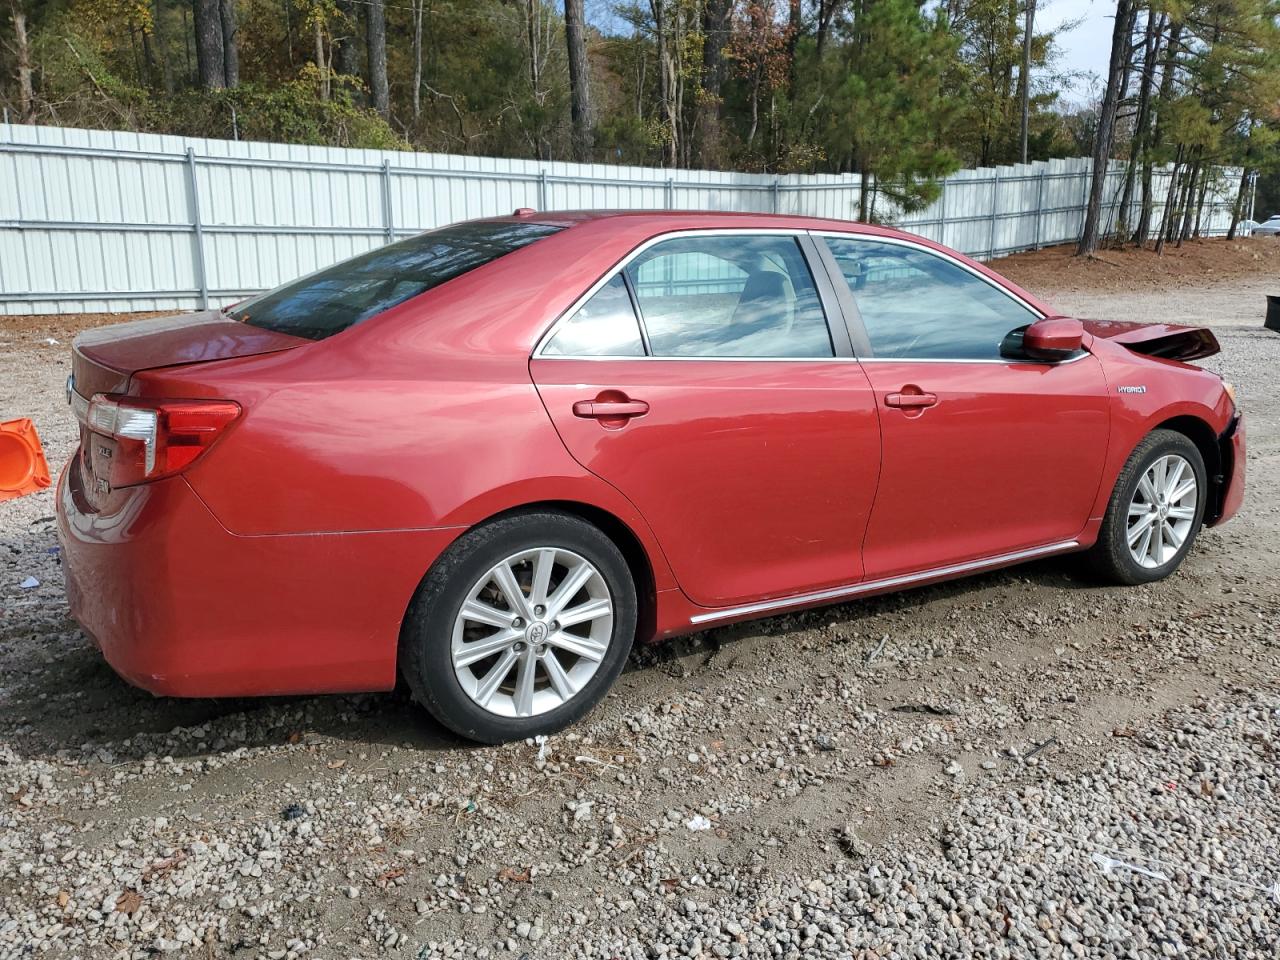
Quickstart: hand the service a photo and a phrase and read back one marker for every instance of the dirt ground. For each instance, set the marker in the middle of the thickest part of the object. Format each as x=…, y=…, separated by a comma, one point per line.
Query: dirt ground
x=882, y=778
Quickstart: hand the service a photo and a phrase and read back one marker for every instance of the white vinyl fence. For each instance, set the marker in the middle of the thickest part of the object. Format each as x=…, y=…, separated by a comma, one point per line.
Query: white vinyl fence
x=100, y=221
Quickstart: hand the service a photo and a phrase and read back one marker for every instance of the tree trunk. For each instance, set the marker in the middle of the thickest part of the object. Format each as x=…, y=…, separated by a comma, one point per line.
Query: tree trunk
x=666, y=79
x=1204, y=190
x=322, y=62
x=1168, y=213
x=1156, y=137
x=1188, y=209
x=715, y=30
x=161, y=48
x=1024, y=80
x=22, y=52
x=826, y=11
x=416, y=6
x=794, y=24
x=208, y=26
x=1141, y=123
x=346, y=52
x=864, y=191
x=575, y=34
x=1125, y=13
x=230, y=51
x=376, y=26
x=1237, y=208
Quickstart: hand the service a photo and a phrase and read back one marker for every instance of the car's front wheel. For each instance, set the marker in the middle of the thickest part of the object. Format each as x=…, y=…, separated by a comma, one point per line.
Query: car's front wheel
x=1154, y=513
x=520, y=628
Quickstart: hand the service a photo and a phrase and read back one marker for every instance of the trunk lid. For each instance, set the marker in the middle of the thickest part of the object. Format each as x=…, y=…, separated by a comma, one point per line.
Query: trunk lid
x=105, y=358
x=1168, y=341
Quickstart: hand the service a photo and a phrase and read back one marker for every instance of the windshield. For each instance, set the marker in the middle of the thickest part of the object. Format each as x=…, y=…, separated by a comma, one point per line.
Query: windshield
x=337, y=297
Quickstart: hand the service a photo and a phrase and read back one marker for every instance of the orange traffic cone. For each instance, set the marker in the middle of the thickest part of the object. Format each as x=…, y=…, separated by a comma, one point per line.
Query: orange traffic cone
x=23, y=468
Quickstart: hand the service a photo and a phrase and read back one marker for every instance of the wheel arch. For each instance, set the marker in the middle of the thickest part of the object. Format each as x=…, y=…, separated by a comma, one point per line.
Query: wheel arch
x=632, y=548
x=1205, y=438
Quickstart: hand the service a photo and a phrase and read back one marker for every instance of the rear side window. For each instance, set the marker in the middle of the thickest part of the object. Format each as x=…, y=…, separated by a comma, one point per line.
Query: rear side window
x=335, y=298
x=729, y=296
x=604, y=326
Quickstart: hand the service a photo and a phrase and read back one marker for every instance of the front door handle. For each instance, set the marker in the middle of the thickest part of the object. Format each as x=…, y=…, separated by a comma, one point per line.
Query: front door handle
x=911, y=400
x=609, y=409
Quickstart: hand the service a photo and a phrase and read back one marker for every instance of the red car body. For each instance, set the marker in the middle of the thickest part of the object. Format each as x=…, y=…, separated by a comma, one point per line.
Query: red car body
x=283, y=559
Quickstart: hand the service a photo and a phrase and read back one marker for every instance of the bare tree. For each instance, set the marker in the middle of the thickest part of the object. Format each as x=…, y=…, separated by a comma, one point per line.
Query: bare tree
x=1168, y=76
x=416, y=9
x=22, y=53
x=208, y=28
x=322, y=59
x=824, y=15
x=376, y=41
x=1024, y=79
x=230, y=52
x=346, y=52
x=715, y=31
x=1142, y=122
x=579, y=79
x=1126, y=12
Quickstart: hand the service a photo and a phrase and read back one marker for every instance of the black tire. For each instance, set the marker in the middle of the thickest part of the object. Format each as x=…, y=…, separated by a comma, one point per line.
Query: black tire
x=1110, y=559
x=426, y=636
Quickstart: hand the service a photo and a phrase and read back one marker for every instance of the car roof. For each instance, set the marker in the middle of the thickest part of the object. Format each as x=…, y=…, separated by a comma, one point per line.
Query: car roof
x=662, y=221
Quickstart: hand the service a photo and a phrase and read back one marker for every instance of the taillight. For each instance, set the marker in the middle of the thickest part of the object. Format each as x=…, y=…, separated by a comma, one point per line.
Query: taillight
x=155, y=438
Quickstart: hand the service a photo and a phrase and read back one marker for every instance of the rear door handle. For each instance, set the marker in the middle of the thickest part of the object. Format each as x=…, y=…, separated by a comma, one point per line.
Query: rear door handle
x=609, y=409
x=911, y=400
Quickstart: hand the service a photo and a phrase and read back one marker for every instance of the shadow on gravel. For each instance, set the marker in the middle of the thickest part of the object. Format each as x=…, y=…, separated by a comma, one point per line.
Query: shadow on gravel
x=74, y=702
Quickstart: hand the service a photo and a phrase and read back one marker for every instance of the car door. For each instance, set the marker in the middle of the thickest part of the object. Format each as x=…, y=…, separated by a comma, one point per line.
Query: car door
x=982, y=455
x=703, y=381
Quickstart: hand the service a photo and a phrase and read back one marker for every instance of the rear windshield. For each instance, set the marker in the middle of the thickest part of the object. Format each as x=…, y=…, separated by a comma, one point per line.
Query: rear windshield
x=330, y=300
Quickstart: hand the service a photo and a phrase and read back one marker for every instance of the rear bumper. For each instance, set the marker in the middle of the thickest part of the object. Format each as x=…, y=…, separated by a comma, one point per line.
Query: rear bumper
x=181, y=607
x=1233, y=470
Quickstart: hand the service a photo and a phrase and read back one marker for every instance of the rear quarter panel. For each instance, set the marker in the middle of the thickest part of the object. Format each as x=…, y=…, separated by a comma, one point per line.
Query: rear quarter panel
x=424, y=417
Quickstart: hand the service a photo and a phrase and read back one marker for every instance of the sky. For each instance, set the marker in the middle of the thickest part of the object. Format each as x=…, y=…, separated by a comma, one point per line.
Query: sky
x=1086, y=48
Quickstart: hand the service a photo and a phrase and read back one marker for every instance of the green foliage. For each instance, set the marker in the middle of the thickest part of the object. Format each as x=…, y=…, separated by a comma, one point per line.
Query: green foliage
x=281, y=113
x=891, y=114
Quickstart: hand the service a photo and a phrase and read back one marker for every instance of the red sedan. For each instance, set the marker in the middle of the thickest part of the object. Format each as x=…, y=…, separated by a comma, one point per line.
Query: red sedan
x=492, y=457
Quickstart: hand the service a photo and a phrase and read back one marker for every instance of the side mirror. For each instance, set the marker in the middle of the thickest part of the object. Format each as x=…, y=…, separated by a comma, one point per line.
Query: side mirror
x=1053, y=339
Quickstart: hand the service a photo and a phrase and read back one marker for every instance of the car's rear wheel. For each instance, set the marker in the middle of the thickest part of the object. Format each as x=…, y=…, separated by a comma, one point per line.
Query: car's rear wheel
x=520, y=628
x=1154, y=513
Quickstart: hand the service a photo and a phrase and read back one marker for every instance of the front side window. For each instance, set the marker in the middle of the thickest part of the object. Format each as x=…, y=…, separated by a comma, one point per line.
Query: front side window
x=917, y=305
x=337, y=297
x=604, y=326
x=729, y=296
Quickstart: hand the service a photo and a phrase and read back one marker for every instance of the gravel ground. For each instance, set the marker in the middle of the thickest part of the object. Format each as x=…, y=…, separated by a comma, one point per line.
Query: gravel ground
x=1021, y=764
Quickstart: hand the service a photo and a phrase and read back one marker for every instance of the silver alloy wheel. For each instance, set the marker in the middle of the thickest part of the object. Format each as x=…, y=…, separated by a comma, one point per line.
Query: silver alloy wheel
x=1162, y=511
x=532, y=632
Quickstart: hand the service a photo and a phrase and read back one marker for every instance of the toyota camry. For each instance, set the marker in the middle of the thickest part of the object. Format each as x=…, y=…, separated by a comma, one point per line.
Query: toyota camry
x=491, y=458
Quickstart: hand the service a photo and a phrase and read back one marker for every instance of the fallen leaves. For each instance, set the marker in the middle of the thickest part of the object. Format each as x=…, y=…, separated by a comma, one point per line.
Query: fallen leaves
x=130, y=902
x=512, y=875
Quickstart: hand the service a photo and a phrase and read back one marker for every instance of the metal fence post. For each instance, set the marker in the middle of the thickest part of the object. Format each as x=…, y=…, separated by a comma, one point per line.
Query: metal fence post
x=388, y=227
x=197, y=254
x=1035, y=243
x=776, y=186
x=995, y=206
x=542, y=189
x=671, y=193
